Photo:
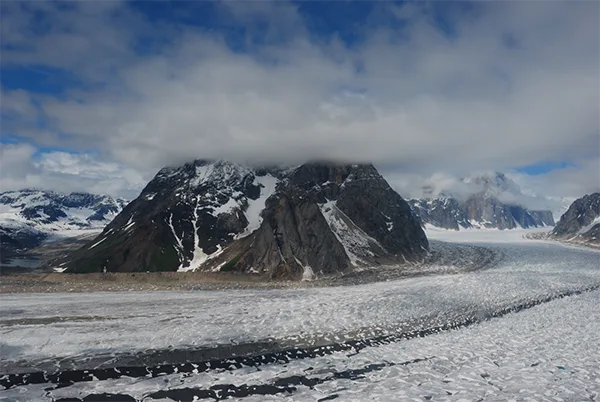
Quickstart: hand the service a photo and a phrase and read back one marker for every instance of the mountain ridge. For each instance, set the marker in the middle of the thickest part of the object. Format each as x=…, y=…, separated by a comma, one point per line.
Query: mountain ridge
x=30, y=216
x=314, y=219
x=581, y=222
x=487, y=205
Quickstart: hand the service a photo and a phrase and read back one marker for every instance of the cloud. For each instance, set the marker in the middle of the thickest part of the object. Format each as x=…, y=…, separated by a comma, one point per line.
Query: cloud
x=513, y=84
x=553, y=191
x=571, y=181
x=23, y=167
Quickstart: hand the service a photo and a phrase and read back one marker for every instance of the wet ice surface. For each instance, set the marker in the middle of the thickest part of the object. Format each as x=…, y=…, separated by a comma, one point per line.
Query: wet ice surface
x=545, y=352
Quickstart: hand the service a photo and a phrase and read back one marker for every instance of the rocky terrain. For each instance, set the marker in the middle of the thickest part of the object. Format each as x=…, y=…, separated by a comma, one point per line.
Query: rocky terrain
x=28, y=217
x=581, y=222
x=443, y=258
x=312, y=220
x=484, y=207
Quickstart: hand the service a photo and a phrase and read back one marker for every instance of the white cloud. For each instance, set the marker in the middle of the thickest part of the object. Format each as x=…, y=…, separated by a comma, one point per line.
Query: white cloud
x=65, y=172
x=553, y=191
x=572, y=181
x=420, y=99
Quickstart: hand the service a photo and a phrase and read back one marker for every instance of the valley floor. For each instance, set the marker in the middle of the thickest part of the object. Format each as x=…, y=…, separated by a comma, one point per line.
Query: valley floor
x=527, y=327
x=444, y=258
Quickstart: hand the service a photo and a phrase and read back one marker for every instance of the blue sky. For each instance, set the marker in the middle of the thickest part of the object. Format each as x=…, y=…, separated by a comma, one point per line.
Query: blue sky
x=97, y=96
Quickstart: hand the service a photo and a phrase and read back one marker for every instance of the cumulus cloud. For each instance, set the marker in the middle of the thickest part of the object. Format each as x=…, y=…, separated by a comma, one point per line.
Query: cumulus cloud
x=23, y=167
x=513, y=84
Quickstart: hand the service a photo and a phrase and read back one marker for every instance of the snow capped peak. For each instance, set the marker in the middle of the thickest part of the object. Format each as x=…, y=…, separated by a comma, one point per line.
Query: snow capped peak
x=48, y=211
x=219, y=171
x=203, y=172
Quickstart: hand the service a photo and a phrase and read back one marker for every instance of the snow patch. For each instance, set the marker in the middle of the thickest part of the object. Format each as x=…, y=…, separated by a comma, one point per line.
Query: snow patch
x=179, y=245
x=59, y=269
x=129, y=225
x=199, y=257
x=355, y=241
x=98, y=242
x=588, y=227
x=268, y=185
x=203, y=174
x=308, y=273
x=226, y=208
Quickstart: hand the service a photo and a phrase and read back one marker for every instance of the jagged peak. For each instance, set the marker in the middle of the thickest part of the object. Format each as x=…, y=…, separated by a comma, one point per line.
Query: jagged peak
x=201, y=171
x=39, y=194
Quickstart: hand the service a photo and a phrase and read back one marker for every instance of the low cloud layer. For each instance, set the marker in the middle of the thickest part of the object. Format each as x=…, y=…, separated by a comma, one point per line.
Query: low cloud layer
x=21, y=168
x=510, y=84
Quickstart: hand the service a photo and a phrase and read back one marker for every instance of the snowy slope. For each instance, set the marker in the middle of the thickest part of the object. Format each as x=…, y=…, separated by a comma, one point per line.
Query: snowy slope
x=356, y=242
x=28, y=217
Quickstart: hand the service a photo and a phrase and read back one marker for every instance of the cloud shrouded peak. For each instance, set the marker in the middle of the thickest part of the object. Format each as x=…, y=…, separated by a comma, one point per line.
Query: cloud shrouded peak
x=435, y=87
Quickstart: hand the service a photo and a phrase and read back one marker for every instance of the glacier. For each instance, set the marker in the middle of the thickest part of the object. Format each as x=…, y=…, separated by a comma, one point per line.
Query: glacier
x=524, y=328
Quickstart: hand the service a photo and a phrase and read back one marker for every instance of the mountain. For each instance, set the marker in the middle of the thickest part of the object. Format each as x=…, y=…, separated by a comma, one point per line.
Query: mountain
x=443, y=212
x=27, y=217
x=315, y=219
x=489, y=203
x=581, y=222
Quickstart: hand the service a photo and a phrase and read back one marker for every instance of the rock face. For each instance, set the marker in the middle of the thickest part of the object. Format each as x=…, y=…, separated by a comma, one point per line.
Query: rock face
x=482, y=209
x=316, y=219
x=581, y=222
x=542, y=218
x=443, y=212
x=27, y=217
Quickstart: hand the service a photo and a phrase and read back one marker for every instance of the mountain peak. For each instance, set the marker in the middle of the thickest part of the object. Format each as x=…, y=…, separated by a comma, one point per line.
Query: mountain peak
x=317, y=218
x=29, y=216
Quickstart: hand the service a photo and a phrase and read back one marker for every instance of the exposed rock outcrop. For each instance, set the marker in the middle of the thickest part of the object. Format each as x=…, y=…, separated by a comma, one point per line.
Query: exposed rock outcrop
x=581, y=222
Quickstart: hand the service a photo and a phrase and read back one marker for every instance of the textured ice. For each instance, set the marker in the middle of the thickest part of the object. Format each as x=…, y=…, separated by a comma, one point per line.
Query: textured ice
x=483, y=235
x=547, y=352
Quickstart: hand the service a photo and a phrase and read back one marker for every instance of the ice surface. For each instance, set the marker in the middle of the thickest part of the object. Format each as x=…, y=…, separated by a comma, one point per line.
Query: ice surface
x=483, y=235
x=547, y=352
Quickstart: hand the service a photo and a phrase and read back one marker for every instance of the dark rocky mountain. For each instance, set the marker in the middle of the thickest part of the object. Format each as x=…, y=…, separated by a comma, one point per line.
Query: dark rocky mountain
x=27, y=217
x=581, y=222
x=315, y=219
x=483, y=208
x=443, y=212
x=542, y=218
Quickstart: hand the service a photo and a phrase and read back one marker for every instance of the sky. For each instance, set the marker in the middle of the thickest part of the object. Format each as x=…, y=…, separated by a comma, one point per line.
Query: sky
x=99, y=95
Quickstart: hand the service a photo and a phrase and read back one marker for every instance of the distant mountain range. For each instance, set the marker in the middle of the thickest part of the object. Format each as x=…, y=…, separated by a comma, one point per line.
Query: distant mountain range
x=581, y=222
x=314, y=219
x=27, y=217
x=489, y=204
x=311, y=220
